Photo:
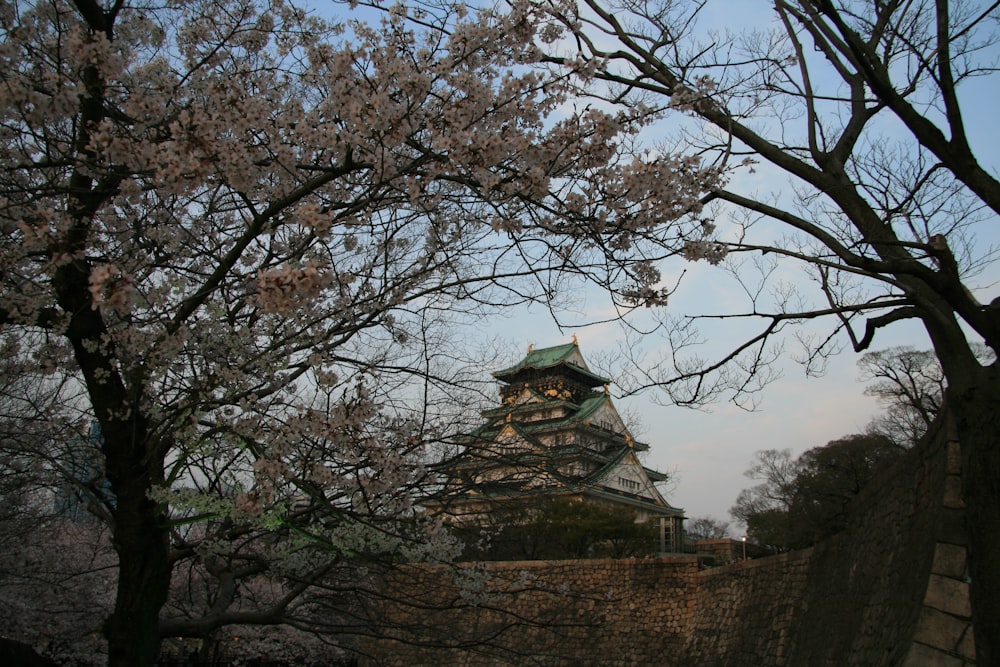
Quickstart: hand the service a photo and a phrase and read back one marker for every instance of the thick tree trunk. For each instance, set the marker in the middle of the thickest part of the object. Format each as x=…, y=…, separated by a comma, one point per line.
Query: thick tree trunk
x=976, y=409
x=141, y=540
x=134, y=466
x=143, y=578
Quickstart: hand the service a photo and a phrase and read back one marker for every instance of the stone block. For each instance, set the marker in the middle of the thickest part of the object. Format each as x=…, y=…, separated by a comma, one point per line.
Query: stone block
x=921, y=655
x=954, y=460
x=953, y=492
x=949, y=560
x=948, y=595
x=951, y=527
x=967, y=647
x=940, y=630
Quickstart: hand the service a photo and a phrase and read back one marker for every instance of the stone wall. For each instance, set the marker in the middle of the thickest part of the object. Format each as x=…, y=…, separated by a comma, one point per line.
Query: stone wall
x=746, y=614
x=890, y=590
x=579, y=613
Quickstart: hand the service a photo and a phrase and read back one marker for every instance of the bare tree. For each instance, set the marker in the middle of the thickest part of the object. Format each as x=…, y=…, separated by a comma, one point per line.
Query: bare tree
x=911, y=386
x=887, y=202
x=776, y=471
x=706, y=528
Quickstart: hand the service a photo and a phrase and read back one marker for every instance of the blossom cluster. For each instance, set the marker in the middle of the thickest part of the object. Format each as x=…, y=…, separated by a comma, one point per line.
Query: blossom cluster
x=111, y=289
x=712, y=252
x=289, y=287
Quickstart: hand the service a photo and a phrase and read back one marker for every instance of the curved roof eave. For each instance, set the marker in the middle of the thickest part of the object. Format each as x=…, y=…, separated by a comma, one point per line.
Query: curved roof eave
x=549, y=357
x=635, y=501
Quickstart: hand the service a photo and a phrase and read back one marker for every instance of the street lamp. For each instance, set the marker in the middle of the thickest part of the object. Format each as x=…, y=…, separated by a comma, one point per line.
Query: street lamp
x=744, y=539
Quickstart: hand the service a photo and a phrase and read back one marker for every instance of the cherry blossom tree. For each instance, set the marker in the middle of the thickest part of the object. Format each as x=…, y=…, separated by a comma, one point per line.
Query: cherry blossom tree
x=889, y=201
x=241, y=227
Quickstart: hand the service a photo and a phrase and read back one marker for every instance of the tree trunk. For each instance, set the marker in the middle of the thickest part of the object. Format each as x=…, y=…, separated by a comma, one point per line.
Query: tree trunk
x=976, y=409
x=141, y=539
x=133, y=466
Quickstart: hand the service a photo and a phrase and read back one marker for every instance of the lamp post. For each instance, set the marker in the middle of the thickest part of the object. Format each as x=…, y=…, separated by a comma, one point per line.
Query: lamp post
x=744, y=539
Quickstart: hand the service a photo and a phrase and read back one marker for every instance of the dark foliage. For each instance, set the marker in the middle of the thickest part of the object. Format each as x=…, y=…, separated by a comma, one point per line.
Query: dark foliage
x=811, y=497
x=561, y=528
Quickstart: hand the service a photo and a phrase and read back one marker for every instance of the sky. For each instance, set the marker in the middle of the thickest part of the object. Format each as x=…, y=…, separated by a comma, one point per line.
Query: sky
x=706, y=451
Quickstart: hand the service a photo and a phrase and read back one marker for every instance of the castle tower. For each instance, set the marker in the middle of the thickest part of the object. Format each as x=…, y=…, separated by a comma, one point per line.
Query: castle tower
x=556, y=433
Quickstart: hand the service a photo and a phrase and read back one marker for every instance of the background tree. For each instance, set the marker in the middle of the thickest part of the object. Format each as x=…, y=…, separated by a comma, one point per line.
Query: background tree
x=561, y=528
x=45, y=449
x=861, y=105
x=910, y=385
x=57, y=567
x=56, y=586
x=706, y=528
x=246, y=227
x=830, y=477
x=764, y=508
x=799, y=502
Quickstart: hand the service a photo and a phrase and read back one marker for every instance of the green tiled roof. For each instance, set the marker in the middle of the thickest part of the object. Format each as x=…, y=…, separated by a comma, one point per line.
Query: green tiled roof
x=590, y=406
x=585, y=410
x=547, y=357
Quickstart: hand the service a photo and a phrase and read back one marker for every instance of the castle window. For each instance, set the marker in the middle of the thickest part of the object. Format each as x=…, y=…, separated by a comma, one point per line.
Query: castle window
x=629, y=484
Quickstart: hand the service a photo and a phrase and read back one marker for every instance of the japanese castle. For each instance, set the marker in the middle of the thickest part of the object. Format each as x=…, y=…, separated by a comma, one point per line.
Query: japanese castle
x=557, y=434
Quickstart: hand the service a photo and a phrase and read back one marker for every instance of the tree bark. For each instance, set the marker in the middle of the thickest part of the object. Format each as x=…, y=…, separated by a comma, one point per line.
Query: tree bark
x=133, y=466
x=976, y=409
x=141, y=540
